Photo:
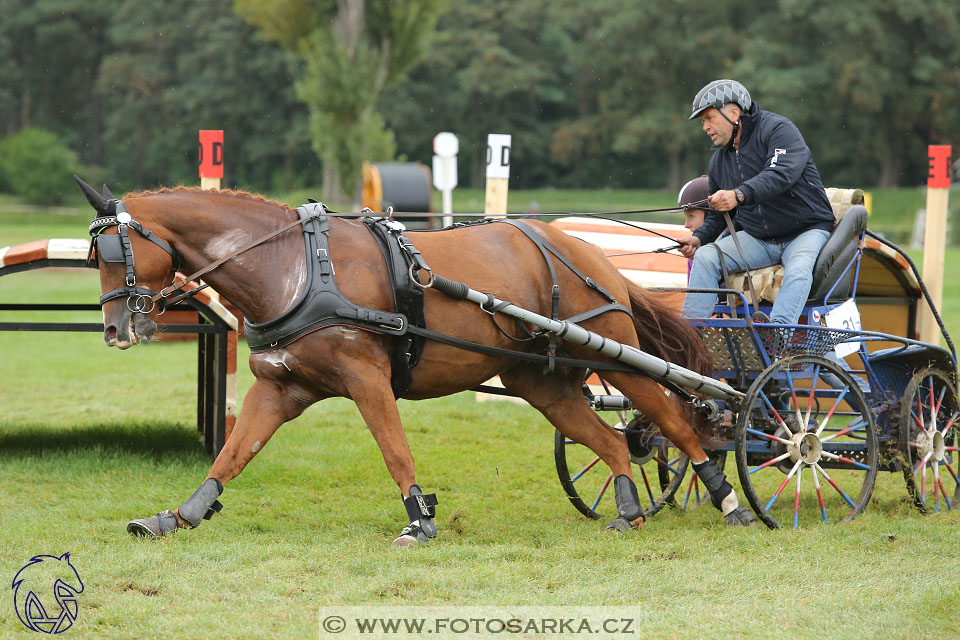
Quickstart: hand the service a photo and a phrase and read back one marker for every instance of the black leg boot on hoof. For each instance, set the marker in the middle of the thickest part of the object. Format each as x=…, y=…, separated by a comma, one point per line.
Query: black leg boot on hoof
x=722, y=494
x=203, y=503
x=421, y=509
x=201, y=506
x=629, y=510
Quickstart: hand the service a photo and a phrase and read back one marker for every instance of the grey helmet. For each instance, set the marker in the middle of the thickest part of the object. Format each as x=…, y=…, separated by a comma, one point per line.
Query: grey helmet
x=720, y=92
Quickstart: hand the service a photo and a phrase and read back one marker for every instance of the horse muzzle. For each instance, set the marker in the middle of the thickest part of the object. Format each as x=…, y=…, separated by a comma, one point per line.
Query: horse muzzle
x=122, y=328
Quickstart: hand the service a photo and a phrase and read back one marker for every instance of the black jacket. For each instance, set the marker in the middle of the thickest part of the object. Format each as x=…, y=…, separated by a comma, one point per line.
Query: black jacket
x=783, y=193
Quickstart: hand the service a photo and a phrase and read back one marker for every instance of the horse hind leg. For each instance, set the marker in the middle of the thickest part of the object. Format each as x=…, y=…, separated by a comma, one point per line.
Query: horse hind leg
x=648, y=397
x=560, y=399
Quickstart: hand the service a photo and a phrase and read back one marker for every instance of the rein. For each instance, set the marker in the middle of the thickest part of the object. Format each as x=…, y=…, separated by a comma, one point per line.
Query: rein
x=142, y=300
x=180, y=284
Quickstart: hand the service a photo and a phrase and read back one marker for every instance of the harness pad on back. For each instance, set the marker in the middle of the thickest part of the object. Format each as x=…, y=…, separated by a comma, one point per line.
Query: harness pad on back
x=322, y=304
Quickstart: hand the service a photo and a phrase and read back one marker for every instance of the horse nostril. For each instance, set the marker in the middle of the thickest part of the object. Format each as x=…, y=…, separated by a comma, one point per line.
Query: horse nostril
x=110, y=334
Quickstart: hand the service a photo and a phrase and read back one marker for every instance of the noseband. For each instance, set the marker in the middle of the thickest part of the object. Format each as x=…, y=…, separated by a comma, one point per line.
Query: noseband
x=117, y=248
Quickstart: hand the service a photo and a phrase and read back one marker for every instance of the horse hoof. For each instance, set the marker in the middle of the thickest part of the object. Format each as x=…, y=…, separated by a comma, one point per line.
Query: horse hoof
x=741, y=517
x=155, y=526
x=411, y=535
x=621, y=524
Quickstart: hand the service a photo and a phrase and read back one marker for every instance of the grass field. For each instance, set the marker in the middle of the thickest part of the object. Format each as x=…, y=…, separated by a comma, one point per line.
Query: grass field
x=91, y=437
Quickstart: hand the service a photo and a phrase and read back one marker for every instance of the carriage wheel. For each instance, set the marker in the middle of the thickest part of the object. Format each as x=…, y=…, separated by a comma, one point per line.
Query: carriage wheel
x=929, y=434
x=658, y=470
x=795, y=426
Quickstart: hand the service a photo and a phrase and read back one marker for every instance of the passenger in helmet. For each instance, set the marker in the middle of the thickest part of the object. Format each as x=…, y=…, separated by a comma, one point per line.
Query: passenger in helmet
x=763, y=174
x=693, y=200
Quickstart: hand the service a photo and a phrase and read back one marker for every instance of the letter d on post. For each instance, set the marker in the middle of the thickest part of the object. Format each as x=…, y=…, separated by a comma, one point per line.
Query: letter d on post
x=211, y=158
x=498, y=174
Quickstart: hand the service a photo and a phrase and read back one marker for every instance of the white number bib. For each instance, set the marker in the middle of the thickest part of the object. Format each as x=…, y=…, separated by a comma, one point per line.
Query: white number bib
x=846, y=316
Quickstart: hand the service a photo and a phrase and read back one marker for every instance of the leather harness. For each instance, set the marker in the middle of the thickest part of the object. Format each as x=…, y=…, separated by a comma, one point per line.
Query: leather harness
x=322, y=304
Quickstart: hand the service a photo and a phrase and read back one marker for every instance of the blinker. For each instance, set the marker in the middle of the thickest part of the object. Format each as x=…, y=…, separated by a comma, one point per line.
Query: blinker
x=110, y=248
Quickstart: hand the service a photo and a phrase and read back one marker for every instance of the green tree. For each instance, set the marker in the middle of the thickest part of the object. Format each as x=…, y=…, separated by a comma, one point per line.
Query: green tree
x=181, y=66
x=351, y=50
x=36, y=165
x=495, y=66
x=870, y=84
x=50, y=51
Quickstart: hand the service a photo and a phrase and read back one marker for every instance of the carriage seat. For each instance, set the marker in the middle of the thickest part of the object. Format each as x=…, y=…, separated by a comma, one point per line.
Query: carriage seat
x=850, y=220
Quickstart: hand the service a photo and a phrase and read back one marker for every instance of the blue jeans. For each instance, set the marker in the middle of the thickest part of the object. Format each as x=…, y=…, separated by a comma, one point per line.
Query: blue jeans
x=797, y=256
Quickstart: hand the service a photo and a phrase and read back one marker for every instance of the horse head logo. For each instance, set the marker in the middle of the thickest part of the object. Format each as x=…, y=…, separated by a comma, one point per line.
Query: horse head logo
x=37, y=585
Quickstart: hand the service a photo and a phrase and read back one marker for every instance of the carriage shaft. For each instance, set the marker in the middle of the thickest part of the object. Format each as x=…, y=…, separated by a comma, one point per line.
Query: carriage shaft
x=643, y=361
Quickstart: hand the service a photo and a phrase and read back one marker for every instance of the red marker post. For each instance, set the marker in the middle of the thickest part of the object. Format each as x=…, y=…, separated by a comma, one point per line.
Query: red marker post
x=211, y=158
x=935, y=238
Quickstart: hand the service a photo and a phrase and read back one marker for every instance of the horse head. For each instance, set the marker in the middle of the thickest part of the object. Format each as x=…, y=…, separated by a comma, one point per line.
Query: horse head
x=127, y=283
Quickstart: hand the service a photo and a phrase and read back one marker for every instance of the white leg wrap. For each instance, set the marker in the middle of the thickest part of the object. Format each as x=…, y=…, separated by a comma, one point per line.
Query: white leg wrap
x=729, y=503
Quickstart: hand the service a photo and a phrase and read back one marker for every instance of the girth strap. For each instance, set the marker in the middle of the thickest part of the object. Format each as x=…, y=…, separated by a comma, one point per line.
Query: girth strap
x=546, y=250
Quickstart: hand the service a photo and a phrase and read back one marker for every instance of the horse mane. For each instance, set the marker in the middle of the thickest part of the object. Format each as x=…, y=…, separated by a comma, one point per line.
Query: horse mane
x=245, y=195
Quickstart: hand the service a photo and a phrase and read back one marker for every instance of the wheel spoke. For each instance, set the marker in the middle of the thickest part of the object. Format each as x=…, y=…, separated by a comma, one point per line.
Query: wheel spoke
x=813, y=390
x=776, y=414
x=936, y=481
x=782, y=486
x=646, y=483
x=952, y=472
x=834, y=485
x=934, y=407
x=919, y=413
x=943, y=391
x=945, y=497
x=603, y=490
x=856, y=426
x=950, y=422
x=826, y=419
x=834, y=456
x=768, y=436
x=666, y=465
x=796, y=503
x=922, y=463
x=796, y=403
x=686, y=497
x=816, y=484
x=769, y=462
x=585, y=469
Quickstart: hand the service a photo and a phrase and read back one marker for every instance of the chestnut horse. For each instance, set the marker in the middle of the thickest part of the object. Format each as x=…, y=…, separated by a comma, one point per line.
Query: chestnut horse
x=187, y=229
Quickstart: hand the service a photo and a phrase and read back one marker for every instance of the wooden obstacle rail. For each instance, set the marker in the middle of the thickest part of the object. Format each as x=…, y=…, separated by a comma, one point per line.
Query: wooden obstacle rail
x=215, y=327
x=629, y=249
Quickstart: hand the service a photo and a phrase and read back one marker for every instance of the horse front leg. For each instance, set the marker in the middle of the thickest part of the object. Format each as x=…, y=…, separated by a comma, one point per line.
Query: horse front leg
x=266, y=406
x=375, y=401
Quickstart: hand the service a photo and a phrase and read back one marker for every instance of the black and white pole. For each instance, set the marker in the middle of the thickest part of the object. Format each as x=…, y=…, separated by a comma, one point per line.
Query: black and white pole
x=576, y=334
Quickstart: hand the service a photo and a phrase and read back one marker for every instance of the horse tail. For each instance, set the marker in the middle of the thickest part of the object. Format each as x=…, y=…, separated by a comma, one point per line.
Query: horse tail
x=663, y=333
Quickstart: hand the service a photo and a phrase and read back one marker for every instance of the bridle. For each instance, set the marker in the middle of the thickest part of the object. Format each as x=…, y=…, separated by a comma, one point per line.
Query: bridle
x=116, y=248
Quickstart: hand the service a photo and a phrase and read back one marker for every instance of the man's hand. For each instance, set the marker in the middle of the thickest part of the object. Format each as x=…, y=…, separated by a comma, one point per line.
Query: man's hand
x=723, y=200
x=689, y=246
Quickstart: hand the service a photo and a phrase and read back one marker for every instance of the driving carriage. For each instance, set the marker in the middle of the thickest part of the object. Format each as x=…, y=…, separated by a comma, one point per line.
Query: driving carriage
x=828, y=403
x=347, y=305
